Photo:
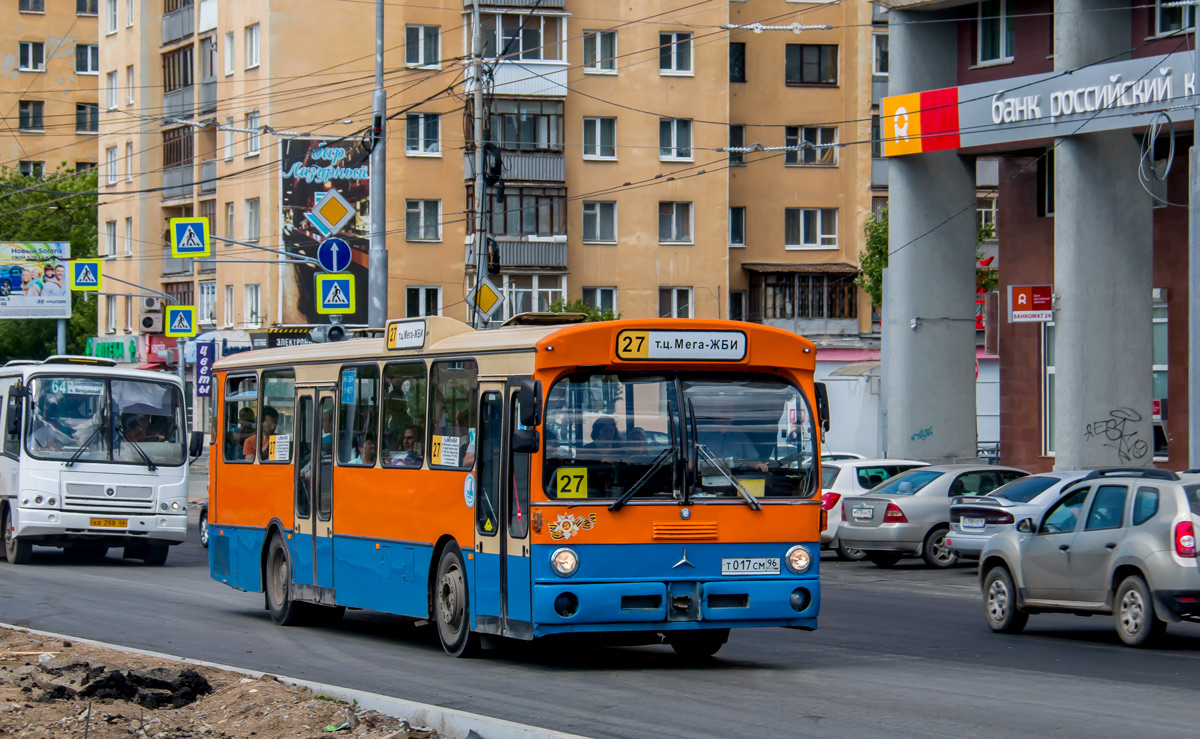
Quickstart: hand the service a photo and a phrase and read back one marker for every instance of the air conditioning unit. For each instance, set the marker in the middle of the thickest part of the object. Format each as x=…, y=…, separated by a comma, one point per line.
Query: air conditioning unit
x=152, y=305
x=152, y=323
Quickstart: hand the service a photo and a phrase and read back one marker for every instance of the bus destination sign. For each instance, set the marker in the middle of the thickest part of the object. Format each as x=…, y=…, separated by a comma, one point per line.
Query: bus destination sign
x=702, y=346
x=405, y=335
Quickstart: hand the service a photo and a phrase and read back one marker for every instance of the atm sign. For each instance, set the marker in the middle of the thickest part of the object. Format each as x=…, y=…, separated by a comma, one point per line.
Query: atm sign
x=1030, y=303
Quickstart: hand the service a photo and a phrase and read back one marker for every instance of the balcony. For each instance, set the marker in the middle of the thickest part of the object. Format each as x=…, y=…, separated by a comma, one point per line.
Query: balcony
x=524, y=166
x=178, y=180
x=175, y=266
x=879, y=172
x=179, y=24
x=878, y=88
x=879, y=13
x=987, y=172
x=540, y=79
x=208, y=177
x=516, y=253
x=208, y=96
x=208, y=264
x=543, y=5
x=179, y=103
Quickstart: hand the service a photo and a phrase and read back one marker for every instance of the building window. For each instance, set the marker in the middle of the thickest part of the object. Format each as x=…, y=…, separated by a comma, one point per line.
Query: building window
x=810, y=228
x=32, y=56
x=229, y=138
x=674, y=302
x=674, y=139
x=600, y=222
x=423, y=134
x=87, y=59
x=81, y=167
x=737, y=226
x=229, y=54
x=737, y=140
x=811, y=64
x=423, y=220
x=129, y=161
x=229, y=220
x=252, y=138
x=252, y=46
x=601, y=298
x=1045, y=180
x=810, y=145
x=737, y=305
x=178, y=146
x=110, y=164
x=986, y=209
x=228, y=307
x=31, y=168
x=32, y=6
x=876, y=138
x=1160, y=366
x=130, y=85
x=600, y=52
x=110, y=239
x=526, y=211
x=87, y=118
x=881, y=54
x=110, y=90
x=110, y=16
x=524, y=37
x=252, y=306
x=128, y=314
x=737, y=62
x=527, y=293
x=129, y=237
x=599, y=138
x=675, y=53
x=178, y=68
x=207, y=308
x=110, y=308
x=788, y=296
x=1175, y=19
x=995, y=31
x=423, y=301
x=31, y=115
x=421, y=46
x=86, y=7
x=128, y=13
x=675, y=223
x=252, y=219
x=526, y=125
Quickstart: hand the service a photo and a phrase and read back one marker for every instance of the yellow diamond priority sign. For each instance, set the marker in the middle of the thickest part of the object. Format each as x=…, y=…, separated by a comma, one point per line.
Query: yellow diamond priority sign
x=333, y=211
x=485, y=297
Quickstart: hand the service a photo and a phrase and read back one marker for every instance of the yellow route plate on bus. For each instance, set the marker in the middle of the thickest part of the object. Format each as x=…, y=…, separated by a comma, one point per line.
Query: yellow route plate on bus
x=681, y=345
x=571, y=482
x=110, y=523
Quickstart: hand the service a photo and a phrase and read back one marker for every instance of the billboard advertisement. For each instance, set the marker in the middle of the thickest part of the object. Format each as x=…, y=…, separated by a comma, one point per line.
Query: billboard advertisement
x=34, y=279
x=324, y=195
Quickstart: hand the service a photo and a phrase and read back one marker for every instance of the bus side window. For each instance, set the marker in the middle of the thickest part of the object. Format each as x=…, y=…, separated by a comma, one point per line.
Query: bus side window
x=402, y=441
x=358, y=415
x=518, y=507
x=455, y=386
x=241, y=416
x=277, y=422
x=487, y=517
x=12, y=412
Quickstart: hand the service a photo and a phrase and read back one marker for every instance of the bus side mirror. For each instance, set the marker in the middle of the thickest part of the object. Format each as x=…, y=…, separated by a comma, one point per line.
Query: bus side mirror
x=13, y=414
x=526, y=441
x=530, y=398
x=196, y=445
x=822, y=406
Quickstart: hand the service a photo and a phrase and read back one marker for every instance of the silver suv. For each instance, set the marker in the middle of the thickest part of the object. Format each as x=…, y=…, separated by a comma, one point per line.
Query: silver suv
x=1117, y=541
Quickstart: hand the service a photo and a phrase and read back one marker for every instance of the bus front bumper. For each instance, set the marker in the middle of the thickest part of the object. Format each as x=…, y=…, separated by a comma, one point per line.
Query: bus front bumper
x=54, y=527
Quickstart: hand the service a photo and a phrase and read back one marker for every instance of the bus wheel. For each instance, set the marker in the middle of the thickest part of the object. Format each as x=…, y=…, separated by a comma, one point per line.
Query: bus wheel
x=700, y=644
x=16, y=551
x=156, y=555
x=452, y=610
x=279, y=577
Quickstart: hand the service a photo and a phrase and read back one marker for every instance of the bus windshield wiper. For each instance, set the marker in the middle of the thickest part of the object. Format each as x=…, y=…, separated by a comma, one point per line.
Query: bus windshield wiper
x=728, y=474
x=83, y=447
x=655, y=466
x=142, y=453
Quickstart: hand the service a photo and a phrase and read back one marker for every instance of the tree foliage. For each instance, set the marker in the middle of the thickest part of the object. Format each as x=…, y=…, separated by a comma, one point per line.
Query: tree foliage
x=875, y=258
x=578, y=306
x=61, y=207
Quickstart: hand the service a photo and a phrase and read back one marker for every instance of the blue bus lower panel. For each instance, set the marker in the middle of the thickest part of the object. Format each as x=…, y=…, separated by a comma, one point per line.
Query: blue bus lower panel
x=391, y=577
x=235, y=556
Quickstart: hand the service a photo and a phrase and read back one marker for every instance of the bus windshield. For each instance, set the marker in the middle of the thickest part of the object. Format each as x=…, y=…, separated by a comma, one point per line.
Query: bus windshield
x=97, y=419
x=690, y=436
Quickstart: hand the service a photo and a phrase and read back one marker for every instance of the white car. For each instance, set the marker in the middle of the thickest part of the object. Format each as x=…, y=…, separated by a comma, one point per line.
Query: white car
x=840, y=456
x=852, y=477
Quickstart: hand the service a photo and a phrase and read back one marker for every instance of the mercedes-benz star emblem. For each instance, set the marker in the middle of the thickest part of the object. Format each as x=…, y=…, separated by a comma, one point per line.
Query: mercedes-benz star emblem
x=685, y=513
x=683, y=561
x=110, y=492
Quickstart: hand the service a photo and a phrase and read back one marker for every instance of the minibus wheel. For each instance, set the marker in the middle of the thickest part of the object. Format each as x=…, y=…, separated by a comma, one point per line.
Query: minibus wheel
x=452, y=609
x=277, y=581
x=16, y=551
x=156, y=555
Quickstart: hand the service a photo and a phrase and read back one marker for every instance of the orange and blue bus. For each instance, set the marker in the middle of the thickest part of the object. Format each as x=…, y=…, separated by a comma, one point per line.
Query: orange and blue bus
x=650, y=481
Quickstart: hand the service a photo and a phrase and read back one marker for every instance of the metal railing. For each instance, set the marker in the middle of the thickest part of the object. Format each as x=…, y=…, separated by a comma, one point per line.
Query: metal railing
x=879, y=87
x=515, y=254
x=879, y=172
x=520, y=166
x=179, y=24
x=208, y=96
x=208, y=176
x=179, y=103
x=178, y=180
x=175, y=266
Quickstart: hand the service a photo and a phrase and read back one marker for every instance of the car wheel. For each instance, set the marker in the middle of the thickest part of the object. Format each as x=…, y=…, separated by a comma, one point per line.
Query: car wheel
x=5, y=289
x=850, y=555
x=935, y=552
x=883, y=559
x=204, y=528
x=278, y=581
x=1137, y=623
x=17, y=552
x=452, y=609
x=697, y=645
x=1000, y=603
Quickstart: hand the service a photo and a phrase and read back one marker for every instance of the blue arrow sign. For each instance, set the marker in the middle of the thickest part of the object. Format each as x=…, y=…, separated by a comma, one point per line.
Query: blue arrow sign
x=334, y=255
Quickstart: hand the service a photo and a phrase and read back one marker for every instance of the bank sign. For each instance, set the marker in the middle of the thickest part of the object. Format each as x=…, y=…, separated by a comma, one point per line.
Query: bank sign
x=1102, y=97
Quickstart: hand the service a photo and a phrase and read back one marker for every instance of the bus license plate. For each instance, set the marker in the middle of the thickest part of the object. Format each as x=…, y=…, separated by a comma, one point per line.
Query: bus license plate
x=110, y=523
x=750, y=566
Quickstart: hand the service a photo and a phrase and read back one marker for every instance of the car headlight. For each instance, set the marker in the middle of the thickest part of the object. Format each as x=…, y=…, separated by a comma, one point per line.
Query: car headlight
x=798, y=560
x=564, y=561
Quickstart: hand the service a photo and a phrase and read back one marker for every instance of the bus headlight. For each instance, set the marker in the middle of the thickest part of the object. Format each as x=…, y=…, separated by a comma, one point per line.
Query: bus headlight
x=564, y=562
x=798, y=560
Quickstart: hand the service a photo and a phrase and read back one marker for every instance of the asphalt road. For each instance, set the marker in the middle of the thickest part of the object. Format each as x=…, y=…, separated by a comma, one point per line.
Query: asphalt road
x=899, y=653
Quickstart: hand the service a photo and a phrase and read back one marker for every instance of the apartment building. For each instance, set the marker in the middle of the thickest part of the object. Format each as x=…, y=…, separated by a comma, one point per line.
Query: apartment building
x=608, y=172
x=49, y=85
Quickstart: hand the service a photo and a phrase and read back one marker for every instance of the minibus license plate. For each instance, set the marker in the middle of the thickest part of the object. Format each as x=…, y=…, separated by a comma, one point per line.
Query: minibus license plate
x=750, y=566
x=110, y=523
x=973, y=523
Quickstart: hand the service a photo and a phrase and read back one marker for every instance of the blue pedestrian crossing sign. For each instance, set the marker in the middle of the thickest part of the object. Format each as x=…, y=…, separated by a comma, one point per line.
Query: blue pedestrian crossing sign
x=335, y=294
x=189, y=237
x=86, y=275
x=181, y=320
x=334, y=255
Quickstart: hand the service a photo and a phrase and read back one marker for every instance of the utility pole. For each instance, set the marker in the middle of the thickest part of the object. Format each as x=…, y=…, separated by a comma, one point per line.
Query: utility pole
x=477, y=319
x=62, y=336
x=377, y=268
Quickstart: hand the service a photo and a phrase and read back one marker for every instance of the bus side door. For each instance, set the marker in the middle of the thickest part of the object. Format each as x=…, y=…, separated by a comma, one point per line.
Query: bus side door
x=13, y=406
x=486, y=601
x=300, y=543
x=518, y=592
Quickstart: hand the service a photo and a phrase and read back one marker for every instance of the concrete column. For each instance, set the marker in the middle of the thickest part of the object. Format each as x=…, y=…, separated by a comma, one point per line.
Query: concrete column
x=1103, y=254
x=928, y=308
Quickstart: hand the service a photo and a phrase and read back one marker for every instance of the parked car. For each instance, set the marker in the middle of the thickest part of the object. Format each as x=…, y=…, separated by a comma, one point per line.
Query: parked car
x=910, y=513
x=853, y=477
x=10, y=279
x=1117, y=542
x=974, y=520
x=840, y=456
x=203, y=525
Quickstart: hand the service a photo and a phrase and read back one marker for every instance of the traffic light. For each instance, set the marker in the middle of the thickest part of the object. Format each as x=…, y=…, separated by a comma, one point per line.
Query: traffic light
x=327, y=334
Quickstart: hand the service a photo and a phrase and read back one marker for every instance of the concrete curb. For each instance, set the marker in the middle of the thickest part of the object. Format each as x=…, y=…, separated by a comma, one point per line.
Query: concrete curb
x=448, y=722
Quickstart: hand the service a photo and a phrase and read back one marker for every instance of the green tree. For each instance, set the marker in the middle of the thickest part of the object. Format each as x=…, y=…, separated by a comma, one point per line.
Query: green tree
x=578, y=306
x=61, y=207
x=875, y=258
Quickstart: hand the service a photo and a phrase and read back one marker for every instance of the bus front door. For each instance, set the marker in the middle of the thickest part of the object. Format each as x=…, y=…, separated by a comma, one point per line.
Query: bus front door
x=518, y=592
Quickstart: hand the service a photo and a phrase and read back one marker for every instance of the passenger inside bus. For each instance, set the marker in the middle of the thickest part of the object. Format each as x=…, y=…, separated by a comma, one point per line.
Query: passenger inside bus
x=409, y=452
x=367, y=455
x=270, y=421
x=728, y=443
x=242, y=430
